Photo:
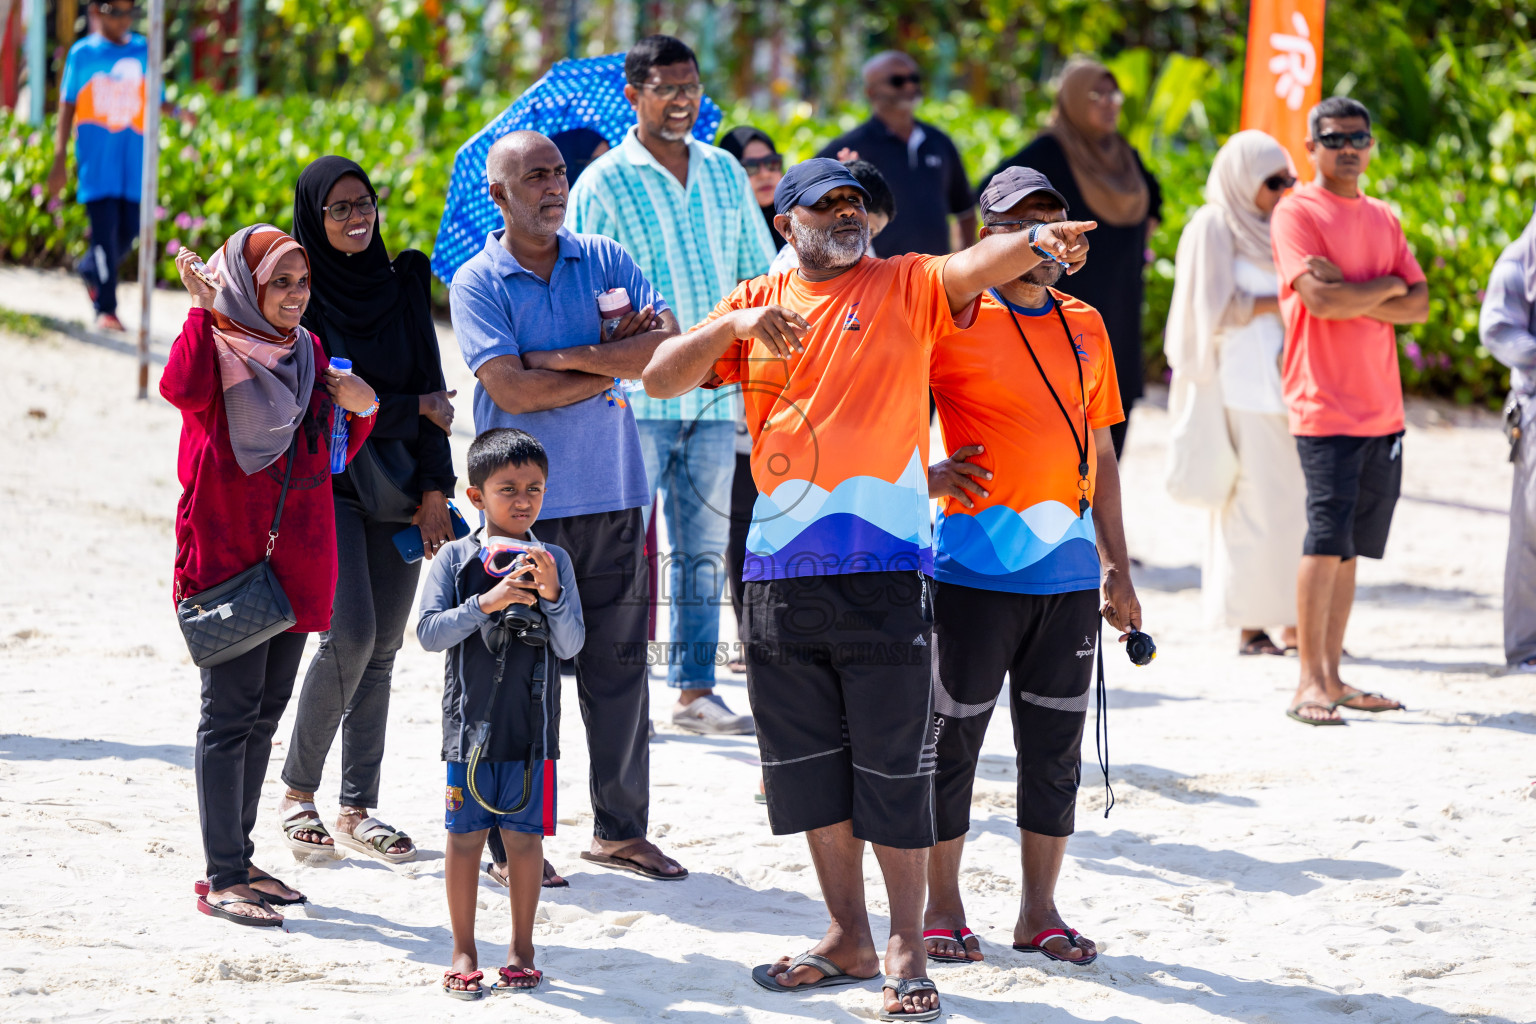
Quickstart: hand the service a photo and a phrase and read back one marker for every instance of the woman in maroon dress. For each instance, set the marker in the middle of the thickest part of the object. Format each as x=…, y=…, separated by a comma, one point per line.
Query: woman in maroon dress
x=243, y=373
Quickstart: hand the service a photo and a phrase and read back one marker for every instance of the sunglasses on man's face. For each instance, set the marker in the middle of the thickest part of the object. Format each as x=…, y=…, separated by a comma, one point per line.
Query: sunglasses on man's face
x=902, y=81
x=758, y=164
x=112, y=11
x=1338, y=140
x=1279, y=182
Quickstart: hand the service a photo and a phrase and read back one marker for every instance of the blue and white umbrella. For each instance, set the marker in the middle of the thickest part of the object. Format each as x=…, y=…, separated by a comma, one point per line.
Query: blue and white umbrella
x=587, y=93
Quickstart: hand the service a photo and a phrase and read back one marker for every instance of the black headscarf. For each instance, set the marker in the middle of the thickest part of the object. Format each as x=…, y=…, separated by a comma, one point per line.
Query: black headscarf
x=735, y=142
x=359, y=291
x=576, y=148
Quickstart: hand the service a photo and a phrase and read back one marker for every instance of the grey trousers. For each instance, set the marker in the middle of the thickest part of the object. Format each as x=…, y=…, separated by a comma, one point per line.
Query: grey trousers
x=347, y=684
x=1520, y=562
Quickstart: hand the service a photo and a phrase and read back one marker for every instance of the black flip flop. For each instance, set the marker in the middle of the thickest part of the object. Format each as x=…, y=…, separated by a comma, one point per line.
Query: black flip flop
x=489, y=870
x=202, y=888
x=217, y=910
x=1354, y=694
x=1294, y=714
x=621, y=863
x=832, y=975
x=1034, y=946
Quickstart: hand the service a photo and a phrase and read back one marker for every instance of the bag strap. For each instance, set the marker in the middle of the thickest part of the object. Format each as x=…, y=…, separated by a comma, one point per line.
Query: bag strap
x=282, y=497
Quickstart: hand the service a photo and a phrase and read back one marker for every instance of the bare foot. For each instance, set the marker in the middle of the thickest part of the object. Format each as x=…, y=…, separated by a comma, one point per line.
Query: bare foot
x=463, y=963
x=903, y=960
x=861, y=961
x=288, y=808
x=259, y=911
x=351, y=817
x=267, y=885
x=642, y=852
x=1033, y=923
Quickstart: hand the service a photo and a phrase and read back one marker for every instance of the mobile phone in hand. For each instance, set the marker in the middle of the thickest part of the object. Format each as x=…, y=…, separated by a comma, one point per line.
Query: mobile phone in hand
x=408, y=541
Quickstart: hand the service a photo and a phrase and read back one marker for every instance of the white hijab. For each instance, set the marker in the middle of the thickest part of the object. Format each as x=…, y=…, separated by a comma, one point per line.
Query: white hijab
x=1228, y=227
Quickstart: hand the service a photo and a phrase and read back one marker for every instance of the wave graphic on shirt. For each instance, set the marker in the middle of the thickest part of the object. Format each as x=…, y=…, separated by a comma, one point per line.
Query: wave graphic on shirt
x=864, y=524
x=1046, y=544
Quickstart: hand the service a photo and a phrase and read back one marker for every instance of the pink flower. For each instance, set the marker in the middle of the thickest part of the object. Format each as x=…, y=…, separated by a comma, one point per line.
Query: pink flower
x=34, y=138
x=173, y=247
x=54, y=205
x=1415, y=354
x=159, y=213
x=1439, y=262
x=37, y=191
x=1443, y=360
x=184, y=220
x=188, y=153
x=1481, y=295
x=198, y=222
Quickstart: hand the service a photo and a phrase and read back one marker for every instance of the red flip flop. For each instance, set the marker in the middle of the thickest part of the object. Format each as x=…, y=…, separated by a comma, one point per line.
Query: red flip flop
x=958, y=935
x=510, y=976
x=1034, y=946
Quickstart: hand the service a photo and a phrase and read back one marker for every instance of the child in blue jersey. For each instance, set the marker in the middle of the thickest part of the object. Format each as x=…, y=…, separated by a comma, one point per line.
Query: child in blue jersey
x=505, y=620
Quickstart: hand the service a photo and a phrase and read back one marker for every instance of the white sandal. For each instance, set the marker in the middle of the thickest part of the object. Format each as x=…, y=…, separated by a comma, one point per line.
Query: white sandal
x=307, y=819
x=374, y=838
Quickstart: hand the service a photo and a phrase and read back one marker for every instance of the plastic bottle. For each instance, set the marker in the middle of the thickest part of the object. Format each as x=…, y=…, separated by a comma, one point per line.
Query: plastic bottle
x=339, y=424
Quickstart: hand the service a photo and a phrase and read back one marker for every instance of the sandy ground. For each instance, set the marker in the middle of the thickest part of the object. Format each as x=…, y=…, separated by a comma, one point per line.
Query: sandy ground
x=1252, y=870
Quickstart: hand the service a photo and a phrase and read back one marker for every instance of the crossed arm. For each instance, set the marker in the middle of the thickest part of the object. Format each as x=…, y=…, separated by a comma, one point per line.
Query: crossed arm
x=1388, y=298
x=555, y=378
x=683, y=363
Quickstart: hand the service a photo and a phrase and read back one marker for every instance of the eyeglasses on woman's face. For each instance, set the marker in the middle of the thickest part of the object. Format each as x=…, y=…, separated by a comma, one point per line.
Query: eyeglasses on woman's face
x=1338, y=140
x=1114, y=97
x=343, y=210
x=1279, y=182
x=759, y=164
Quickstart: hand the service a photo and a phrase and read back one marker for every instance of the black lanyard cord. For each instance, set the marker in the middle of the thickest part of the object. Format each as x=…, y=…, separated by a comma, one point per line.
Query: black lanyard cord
x=1079, y=444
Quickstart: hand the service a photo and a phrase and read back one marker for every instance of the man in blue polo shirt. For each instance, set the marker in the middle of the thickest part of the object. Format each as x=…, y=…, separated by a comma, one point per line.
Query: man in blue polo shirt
x=525, y=313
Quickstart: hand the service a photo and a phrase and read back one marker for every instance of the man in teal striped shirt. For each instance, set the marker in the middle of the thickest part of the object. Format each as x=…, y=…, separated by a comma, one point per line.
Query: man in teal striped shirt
x=687, y=215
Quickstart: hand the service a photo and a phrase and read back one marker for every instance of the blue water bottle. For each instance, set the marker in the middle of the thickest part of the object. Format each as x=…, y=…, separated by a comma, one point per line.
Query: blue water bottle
x=339, y=424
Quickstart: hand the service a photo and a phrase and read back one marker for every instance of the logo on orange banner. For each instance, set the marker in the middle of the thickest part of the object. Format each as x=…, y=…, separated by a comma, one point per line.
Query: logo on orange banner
x=1284, y=76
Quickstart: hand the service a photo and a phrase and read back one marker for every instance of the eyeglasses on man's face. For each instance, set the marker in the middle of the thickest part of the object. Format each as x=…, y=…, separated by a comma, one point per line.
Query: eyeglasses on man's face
x=343, y=210
x=669, y=92
x=1338, y=140
x=113, y=11
x=902, y=81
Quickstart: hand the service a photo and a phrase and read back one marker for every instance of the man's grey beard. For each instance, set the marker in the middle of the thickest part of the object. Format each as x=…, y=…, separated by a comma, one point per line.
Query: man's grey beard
x=672, y=135
x=820, y=249
x=1045, y=274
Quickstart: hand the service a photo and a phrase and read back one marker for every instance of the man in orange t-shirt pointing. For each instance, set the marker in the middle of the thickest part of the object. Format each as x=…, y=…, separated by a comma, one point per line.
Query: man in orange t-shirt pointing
x=833, y=362
x=1346, y=278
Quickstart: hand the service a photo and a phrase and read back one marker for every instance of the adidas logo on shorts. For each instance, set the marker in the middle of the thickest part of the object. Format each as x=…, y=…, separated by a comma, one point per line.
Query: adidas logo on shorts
x=918, y=641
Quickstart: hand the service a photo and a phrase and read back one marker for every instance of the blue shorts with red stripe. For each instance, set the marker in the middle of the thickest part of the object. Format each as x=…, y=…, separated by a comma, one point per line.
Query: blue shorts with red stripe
x=501, y=784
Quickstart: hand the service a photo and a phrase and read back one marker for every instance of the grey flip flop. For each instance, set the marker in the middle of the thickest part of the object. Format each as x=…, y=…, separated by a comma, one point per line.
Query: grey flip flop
x=905, y=987
x=832, y=975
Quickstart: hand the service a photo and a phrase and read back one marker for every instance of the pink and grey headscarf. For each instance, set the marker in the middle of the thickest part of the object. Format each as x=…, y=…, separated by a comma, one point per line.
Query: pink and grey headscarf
x=268, y=374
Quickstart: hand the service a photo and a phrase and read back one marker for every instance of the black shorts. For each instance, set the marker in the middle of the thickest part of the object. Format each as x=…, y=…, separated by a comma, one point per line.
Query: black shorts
x=840, y=676
x=1352, y=489
x=1046, y=643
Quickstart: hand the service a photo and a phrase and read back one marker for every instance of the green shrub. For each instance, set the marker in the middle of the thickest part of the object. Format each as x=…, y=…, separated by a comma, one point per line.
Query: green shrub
x=1460, y=201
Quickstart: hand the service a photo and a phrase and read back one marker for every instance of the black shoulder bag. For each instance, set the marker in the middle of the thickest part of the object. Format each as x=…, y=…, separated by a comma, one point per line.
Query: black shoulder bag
x=383, y=473
x=245, y=611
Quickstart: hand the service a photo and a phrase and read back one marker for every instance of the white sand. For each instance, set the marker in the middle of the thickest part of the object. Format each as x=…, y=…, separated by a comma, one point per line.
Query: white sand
x=1253, y=870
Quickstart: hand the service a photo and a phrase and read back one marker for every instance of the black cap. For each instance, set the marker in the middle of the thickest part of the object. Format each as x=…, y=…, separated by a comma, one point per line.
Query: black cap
x=809, y=180
x=1011, y=184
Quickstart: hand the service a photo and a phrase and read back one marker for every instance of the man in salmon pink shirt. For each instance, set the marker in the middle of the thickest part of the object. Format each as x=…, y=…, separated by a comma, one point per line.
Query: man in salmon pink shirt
x=1347, y=277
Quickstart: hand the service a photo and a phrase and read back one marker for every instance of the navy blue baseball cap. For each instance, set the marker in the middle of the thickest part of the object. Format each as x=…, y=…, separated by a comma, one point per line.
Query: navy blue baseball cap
x=1012, y=185
x=809, y=180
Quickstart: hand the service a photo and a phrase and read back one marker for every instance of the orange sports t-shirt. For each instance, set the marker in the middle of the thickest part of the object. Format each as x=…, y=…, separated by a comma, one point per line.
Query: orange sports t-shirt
x=1026, y=537
x=840, y=431
x=1340, y=377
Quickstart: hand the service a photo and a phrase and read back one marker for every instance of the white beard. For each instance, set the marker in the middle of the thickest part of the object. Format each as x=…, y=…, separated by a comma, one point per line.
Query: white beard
x=822, y=250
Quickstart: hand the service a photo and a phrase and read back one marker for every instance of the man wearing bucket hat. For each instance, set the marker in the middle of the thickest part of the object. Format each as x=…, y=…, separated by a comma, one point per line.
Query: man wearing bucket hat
x=1028, y=533
x=833, y=362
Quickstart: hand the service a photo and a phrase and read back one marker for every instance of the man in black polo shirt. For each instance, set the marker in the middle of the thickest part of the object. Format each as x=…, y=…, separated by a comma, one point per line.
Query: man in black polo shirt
x=917, y=159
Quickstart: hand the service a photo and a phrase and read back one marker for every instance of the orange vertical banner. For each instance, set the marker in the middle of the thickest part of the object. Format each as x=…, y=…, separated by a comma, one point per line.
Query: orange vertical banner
x=1284, y=76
